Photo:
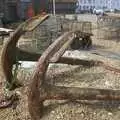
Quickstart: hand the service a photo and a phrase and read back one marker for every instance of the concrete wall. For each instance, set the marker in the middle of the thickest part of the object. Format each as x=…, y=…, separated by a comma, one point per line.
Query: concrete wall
x=48, y=31
x=108, y=28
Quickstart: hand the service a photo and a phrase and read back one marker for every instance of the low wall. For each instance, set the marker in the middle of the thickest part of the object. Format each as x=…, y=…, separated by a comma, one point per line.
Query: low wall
x=108, y=28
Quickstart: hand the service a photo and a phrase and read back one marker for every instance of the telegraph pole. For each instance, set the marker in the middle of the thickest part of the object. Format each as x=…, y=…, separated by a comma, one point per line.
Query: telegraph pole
x=54, y=8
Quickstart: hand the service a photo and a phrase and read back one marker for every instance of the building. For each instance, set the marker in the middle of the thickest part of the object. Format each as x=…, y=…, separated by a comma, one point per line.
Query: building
x=37, y=6
x=13, y=10
x=114, y=4
x=40, y=6
x=22, y=8
x=87, y=5
x=1, y=6
x=62, y=6
x=8, y=10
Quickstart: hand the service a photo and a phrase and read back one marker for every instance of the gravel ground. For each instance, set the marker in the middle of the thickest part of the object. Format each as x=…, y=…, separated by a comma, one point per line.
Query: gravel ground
x=95, y=77
x=77, y=76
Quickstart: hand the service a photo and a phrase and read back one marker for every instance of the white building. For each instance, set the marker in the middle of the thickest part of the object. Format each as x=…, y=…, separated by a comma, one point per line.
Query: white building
x=114, y=4
x=98, y=4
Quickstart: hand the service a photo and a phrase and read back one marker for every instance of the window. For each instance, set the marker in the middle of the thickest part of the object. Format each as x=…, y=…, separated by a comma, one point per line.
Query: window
x=85, y=1
x=89, y=1
x=81, y=1
x=93, y=1
x=84, y=7
x=80, y=7
x=87, y=7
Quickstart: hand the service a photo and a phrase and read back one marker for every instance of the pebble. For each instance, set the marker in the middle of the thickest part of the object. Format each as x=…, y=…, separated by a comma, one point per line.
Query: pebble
x=53, y=112
x=110, y=114
x=58, y=117
x=94, y=113
x=82, y=114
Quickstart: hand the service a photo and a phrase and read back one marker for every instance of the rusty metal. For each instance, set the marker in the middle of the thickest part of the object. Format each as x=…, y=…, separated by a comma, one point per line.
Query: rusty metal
x=10, y=51
x=9, y=101
x=82, y=40
x=39, y=90
x=11, y=54
x=32, y=23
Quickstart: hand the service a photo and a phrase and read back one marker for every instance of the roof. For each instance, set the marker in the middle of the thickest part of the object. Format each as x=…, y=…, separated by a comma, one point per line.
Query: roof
x=64, y=1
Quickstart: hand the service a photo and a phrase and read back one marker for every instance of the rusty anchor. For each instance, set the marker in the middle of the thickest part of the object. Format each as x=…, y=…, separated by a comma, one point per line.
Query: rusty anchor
x=39, y=90
x=11, y=53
